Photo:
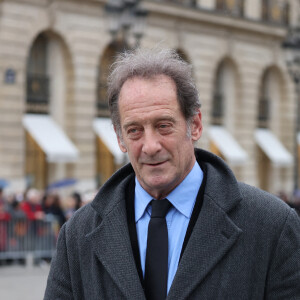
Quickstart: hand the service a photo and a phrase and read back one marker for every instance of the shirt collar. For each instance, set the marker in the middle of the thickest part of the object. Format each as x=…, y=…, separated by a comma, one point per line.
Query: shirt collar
x=183, y=197
x=142, y=199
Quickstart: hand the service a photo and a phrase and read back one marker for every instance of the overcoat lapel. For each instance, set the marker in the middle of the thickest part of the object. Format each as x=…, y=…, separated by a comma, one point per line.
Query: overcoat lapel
x=111, y=244
x=214, y=233
x=212, y=237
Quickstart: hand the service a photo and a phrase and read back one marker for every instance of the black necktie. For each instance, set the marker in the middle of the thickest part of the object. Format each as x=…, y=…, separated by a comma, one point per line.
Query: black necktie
x=156, y=269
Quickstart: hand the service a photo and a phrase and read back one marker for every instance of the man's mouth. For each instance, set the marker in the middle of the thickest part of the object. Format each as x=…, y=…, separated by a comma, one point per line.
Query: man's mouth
x=155, y=164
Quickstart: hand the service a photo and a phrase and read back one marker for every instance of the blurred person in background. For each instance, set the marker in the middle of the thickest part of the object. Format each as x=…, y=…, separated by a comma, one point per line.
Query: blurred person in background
x=78, y=200
x=174, y=223
x=1, y=195
x=74, y=202
x=14, y=207
x=31, y=205
x=18, y=228
x=4, y=219
x=296, y=201
x=51, y=205
x=4, y=214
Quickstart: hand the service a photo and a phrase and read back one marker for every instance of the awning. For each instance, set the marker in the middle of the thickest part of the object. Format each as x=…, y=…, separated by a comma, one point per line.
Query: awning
x=104, y=129
x=273, y=148
x=227, y=145
x=51, y=138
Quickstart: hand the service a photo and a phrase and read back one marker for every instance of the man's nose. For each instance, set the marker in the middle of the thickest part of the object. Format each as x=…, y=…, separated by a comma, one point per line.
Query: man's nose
x=151, y=143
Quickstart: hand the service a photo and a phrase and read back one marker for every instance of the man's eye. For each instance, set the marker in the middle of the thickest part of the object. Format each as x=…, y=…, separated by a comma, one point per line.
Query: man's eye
x=133, y=132
x=165, y=128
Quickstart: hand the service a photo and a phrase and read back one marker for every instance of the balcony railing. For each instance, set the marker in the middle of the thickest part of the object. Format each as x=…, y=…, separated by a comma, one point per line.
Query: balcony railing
x=230, y=7
x=275, y=12
x=272, y=11
x=187, y=3
x=37, y=99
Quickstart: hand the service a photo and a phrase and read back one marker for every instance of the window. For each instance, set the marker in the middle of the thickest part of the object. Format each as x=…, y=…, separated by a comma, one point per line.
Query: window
x=263, y=112
x=275, y=11
x=107, y=60
x=231, y=7
x=218, y=97
x=218, y=109
x=37, y=93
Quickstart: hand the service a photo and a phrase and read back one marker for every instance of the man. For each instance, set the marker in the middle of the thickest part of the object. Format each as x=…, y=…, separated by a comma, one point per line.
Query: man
x=225, y=239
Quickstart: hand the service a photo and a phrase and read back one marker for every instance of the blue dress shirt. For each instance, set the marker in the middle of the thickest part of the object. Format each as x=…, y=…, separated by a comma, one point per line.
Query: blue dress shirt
x=183, y=199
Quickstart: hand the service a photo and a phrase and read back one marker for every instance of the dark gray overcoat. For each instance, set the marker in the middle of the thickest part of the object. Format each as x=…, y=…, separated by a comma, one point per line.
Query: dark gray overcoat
x=245, y=245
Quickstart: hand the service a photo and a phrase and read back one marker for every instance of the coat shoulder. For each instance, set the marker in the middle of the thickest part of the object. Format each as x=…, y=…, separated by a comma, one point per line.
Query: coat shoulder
x=264, y=207
x=258, y=196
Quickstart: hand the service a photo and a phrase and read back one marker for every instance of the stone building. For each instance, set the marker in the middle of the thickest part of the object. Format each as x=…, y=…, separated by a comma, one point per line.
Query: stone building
x=54, y=57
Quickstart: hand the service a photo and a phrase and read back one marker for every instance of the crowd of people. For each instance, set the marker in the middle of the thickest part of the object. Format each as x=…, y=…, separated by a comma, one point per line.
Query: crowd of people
x=37, y=205
x=34, y=205
x=20, y=212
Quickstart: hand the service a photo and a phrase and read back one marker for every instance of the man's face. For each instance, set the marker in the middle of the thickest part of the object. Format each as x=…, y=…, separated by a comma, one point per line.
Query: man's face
x=154, y=133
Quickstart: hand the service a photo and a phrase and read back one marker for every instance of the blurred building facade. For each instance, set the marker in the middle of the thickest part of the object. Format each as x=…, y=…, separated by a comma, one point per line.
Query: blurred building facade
x=54, y=60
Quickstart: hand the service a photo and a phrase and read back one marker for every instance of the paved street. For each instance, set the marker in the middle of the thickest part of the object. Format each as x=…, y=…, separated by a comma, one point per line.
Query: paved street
x=23, y=283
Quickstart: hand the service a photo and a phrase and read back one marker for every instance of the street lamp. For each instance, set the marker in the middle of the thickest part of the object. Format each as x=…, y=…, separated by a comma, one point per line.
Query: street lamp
x=292, y=51
x=125, y=17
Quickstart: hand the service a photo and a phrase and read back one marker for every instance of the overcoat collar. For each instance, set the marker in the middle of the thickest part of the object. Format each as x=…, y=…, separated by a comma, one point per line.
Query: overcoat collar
x=110, y=240
x=212, y=237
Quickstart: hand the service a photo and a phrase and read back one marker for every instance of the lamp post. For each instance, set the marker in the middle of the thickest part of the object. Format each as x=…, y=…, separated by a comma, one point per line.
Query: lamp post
x=292, y=51
x=126, y=17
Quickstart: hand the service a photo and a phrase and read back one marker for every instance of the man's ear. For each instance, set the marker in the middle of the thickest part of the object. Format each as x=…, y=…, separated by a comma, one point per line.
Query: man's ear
x=120, y=142
x=196, y=127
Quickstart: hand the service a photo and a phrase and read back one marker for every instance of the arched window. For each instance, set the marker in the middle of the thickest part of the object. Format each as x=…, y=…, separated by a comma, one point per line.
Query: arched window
x=37, y=93
x=225, y=95
x=225, y=115
x=105, y=161
x=49, y=76
x=271, y=153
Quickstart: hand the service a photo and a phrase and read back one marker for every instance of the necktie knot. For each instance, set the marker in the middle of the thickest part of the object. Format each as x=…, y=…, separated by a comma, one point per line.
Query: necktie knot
x=160, y=208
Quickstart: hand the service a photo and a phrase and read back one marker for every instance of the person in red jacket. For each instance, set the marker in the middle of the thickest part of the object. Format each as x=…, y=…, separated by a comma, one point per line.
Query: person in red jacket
x=32, y=205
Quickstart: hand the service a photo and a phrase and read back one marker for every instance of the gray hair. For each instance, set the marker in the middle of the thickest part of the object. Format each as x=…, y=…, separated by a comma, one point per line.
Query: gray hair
x=148, y=63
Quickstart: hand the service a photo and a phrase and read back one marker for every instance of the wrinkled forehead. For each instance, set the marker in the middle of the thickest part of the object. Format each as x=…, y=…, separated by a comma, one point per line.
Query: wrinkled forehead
x=140, y=87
